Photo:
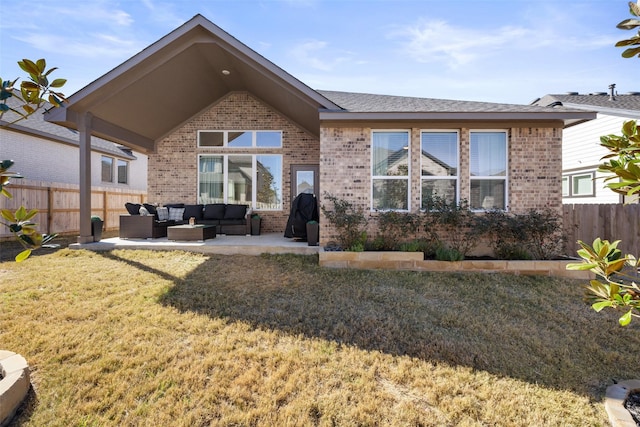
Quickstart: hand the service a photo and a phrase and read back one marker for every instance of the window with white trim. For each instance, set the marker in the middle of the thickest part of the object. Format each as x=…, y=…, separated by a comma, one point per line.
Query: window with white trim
x=106, y=165
x=488, y=170
x=252, y=179
x=580, y=184
x=439, y=166
x=240, y=138
x=123, y=171
x=390, y=170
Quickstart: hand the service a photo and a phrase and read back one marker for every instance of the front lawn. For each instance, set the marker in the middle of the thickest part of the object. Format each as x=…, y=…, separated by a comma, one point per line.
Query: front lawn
x=174, y=338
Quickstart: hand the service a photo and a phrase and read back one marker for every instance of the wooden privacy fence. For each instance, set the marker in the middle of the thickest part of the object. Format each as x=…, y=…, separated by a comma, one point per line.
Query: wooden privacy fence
x=610, y=222
x=59, y=205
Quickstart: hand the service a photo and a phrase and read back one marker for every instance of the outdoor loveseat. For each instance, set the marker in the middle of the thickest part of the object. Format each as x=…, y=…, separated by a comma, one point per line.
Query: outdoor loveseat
x=152, y=221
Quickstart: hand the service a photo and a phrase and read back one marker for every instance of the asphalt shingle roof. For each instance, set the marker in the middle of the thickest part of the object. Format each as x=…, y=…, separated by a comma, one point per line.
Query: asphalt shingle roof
x=627, y=104
x=370, y=103
x=36, y=125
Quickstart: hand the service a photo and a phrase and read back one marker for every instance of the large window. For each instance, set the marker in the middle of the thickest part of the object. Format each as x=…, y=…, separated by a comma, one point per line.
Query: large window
x=488, y=170
x=255, y=180
x=390, y=170
x=439, y=166
x=240, y=139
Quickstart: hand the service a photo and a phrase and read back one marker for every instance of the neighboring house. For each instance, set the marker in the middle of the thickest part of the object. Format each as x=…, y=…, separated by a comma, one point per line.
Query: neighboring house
x=228, y=115
x=46, y=152
x=581, y=150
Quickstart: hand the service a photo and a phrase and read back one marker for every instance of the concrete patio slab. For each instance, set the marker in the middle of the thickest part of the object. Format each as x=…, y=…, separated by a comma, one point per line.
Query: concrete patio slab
x=272, y=243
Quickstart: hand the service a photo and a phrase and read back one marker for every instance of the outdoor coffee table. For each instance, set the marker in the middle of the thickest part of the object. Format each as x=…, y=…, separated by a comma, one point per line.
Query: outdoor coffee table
x=191, y=232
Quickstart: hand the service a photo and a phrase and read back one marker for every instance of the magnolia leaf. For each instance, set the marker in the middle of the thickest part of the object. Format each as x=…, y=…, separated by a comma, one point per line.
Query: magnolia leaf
x=625, y=319
x=8, y=215
x=628, y=24
x=41, y=64
x=58, y=82
x=23, y=255
x=28, y=66
x=581, y=266
x=630, y=53
x=598, y=306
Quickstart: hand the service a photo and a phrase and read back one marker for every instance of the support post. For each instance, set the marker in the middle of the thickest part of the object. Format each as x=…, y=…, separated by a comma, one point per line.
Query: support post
x=84, y=126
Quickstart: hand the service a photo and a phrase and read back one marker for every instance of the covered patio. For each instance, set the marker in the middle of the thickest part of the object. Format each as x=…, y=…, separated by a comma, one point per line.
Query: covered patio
x=270, y=243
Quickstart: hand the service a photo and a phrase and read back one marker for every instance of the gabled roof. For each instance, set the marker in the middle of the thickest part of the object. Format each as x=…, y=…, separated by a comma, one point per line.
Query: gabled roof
x=626, y=105
x=362, y=106
x=179, y=76
x=37, y=126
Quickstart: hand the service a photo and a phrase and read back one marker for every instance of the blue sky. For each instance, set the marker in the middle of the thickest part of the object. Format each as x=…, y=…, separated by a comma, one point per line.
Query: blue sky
x=485, y=50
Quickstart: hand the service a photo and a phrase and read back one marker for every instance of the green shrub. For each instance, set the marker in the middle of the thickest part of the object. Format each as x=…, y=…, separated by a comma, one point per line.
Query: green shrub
x=452, y=224
x=448, y=254
x=349, y=222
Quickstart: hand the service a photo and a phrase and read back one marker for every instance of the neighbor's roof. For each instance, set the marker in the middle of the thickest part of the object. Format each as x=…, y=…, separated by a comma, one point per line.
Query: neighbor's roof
x=625, y=105
x=361, y=106
x=36, y=125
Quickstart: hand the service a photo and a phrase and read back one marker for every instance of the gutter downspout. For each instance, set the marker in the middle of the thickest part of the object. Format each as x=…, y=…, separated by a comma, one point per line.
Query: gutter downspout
x=84, y=126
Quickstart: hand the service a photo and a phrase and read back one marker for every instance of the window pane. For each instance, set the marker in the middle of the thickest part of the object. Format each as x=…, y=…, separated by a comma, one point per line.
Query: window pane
x=239, y=175
x=565, y=185
x=269, y=182
x=583, y=185
x=487, y=194
x=211, y=138
x=240, y=139
x=488, y=154
x=211, y=180
x=107, y=169
x=122, y=171
x=269, y=139
x=439, y=154
x=390, y=154
x=305, y=180
x=390, y=194
x=444, y=188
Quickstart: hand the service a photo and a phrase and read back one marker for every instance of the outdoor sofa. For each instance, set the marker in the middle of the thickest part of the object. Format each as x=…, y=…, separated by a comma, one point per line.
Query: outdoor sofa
x=146, y=221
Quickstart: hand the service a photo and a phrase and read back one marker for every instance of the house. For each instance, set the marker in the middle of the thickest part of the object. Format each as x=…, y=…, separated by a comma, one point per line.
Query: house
x=213, y=116
x=48, y=153
x=581, y=150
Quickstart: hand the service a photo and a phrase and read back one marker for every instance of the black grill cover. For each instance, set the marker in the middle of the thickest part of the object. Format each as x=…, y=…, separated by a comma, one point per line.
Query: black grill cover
x=304, y=208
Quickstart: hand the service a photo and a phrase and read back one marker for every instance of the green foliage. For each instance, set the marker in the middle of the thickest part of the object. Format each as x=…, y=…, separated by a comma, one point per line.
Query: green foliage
x=536, y=234
x=448, y=254
x=32, y=92
x=31, y=96
x=349, y=221
x=453, y=223
x=394, y=227
x=624, y=159
x=630, y=24
x=616, y=284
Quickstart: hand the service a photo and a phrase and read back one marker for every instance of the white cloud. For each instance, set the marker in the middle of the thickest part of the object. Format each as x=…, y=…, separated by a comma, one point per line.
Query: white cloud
x=94, y=46
x=318, y=55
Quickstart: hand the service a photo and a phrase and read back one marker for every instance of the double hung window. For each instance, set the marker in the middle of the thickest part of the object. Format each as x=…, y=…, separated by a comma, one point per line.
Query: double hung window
x=390, y=170
x=488, y=170
x=439, y=166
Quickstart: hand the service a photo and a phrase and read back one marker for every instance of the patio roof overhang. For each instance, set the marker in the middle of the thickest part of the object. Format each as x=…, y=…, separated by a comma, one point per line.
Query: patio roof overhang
x=179, y=76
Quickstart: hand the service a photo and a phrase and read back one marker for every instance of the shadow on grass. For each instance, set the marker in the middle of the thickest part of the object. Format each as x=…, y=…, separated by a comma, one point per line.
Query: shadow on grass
x=536, y=329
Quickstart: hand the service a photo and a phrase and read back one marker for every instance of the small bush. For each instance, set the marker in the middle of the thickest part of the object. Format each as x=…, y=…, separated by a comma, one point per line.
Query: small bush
x=456, y=224
x=349, y=222
x=448, y=254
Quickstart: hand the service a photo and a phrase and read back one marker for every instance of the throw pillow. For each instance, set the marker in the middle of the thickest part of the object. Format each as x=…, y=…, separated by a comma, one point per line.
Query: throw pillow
x=162, y=213
x=175, y=214
x=143, y=211
x=132, y=208
x=150, y=208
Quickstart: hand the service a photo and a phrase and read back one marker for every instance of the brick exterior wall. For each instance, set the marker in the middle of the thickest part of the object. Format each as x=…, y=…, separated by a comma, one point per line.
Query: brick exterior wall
x=534, y=169
x=173, y=168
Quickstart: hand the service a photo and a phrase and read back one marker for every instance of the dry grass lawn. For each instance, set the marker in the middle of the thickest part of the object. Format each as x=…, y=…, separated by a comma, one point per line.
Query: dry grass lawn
x=142, y=338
